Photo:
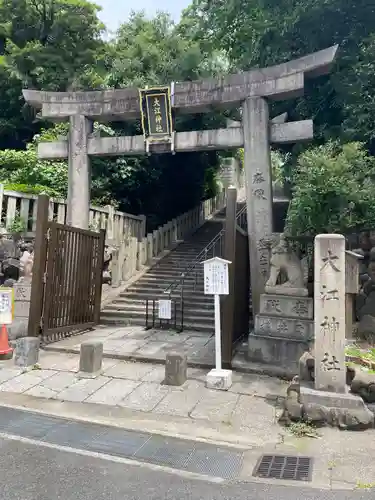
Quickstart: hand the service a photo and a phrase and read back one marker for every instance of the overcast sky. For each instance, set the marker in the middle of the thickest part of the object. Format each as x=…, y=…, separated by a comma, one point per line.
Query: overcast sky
x=115, y=12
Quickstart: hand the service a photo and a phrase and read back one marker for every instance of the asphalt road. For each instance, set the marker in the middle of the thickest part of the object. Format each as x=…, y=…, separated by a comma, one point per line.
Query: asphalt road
x=34, y=472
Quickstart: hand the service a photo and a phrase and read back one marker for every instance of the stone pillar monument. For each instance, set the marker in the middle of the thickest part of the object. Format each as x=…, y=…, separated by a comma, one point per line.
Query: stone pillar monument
x=259, y=191
x=329, y=304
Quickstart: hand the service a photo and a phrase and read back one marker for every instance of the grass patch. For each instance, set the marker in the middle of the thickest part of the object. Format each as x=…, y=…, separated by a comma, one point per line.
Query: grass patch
x=303, y=429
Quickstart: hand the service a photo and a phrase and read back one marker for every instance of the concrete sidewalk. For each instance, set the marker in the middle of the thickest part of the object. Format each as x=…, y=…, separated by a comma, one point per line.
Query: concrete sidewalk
x=137, y=344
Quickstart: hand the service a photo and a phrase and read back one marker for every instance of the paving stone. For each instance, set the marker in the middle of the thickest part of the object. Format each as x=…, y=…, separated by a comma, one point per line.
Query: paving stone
x=257, y=385
x=121, y=347
x=169, y=337
x=215, y=405
x=180, y=403
x=39, y=391
x=43, y=374
x=197, y=341
x=60, y=381
x=21, y=383
x=129, y=370
x=59, y=361
x=9, y=373
x=254, y=413
x=145, y=397
x=152, y=349
x=197, y=374
x=113, y=392
x=157, y=374
x=82, y=389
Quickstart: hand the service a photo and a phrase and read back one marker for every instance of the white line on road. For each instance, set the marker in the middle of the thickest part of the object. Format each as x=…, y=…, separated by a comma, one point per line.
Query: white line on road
x=112, y=458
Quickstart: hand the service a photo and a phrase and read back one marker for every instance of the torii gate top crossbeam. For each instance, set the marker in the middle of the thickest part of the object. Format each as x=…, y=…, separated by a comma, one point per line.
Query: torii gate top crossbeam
x=279, y=82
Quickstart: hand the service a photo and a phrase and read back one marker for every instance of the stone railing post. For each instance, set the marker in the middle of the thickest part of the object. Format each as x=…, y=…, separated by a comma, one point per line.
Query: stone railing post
x=110, y=223
x=142, y=228
x=161, y=240
x=149, y=247
x=1, y=202
x=156, y=250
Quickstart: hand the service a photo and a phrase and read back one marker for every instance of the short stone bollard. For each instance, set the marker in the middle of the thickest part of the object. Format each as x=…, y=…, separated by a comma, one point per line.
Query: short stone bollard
x=90, y=361
x=175, y=369
x=26, y=352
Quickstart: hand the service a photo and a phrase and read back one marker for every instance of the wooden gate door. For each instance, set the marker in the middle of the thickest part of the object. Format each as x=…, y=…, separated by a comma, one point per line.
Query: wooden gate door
x=73, y=280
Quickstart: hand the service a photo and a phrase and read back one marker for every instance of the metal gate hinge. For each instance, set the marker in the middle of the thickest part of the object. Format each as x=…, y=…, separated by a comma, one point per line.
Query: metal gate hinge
x=45, y=278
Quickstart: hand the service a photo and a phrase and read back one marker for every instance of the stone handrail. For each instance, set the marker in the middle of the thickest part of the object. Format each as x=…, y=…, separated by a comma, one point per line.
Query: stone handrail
x=133, y=254
x=15, y=206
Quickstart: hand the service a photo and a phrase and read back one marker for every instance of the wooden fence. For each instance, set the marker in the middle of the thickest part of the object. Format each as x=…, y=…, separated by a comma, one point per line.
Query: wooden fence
x=16, y=207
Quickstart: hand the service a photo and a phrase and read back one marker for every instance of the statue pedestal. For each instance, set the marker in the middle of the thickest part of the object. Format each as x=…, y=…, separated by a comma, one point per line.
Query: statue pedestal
x=283, y=330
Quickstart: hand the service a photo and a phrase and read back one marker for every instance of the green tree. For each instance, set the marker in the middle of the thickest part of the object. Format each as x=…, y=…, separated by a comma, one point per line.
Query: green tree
x=334, y=190
x=258, y=33
x=49, y=43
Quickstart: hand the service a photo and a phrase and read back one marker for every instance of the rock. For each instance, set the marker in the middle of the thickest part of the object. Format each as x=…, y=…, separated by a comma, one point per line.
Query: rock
x=9, y=283
x=8, y=248
x=293, y=407
x=357, y=420
x=350, y=374
x=294, y=386
x=366, y=325
x=363, y=384
x=306, y=367
x=317, y=414
x=11, y=268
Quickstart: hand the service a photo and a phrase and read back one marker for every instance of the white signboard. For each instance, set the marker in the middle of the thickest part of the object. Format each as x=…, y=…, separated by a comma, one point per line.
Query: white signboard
x=165, y=309
x=216, y=276
x=6, y=306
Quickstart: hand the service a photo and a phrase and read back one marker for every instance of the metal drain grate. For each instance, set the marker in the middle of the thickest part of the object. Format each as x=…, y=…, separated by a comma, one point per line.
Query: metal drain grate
x=284, y=467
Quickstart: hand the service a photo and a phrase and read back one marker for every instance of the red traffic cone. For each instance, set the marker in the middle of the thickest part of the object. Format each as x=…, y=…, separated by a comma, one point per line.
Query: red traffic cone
x=4, y=342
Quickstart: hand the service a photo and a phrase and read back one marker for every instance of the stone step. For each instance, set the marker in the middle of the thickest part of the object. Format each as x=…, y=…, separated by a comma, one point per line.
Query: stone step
x=167, y=280
x=188, y=303
x=286, y=306
x=161, y=287
x=188, y=298
x=157, y=294
x=200, y=315
x=141, y=321
x=292, y=328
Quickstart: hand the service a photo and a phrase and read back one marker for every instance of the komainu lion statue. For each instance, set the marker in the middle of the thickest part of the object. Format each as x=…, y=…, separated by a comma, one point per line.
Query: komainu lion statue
x=284, y=261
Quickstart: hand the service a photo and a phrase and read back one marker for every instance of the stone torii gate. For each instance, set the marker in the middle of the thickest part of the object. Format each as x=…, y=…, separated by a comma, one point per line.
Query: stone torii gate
x=250, y=89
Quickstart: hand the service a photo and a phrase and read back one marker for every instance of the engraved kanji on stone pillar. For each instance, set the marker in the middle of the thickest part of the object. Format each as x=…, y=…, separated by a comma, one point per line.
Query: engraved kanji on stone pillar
x=259, y=192
x=329, y=312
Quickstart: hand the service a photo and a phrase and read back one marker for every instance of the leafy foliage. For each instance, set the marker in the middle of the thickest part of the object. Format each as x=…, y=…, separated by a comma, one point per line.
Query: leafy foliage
x=334, y=190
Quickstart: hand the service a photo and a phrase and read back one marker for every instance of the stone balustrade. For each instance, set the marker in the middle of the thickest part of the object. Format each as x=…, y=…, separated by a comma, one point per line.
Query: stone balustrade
x=133, y=254
x=15, y=206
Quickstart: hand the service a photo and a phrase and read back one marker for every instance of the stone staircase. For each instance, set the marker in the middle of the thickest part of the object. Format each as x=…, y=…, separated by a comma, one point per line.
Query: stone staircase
x=198, y=311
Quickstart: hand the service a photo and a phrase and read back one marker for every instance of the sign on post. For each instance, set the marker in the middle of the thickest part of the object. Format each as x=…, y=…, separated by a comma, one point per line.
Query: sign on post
x=216, y=283
x=156, y=116
x=6, y=306
x=165, y=309
x=216, y=276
